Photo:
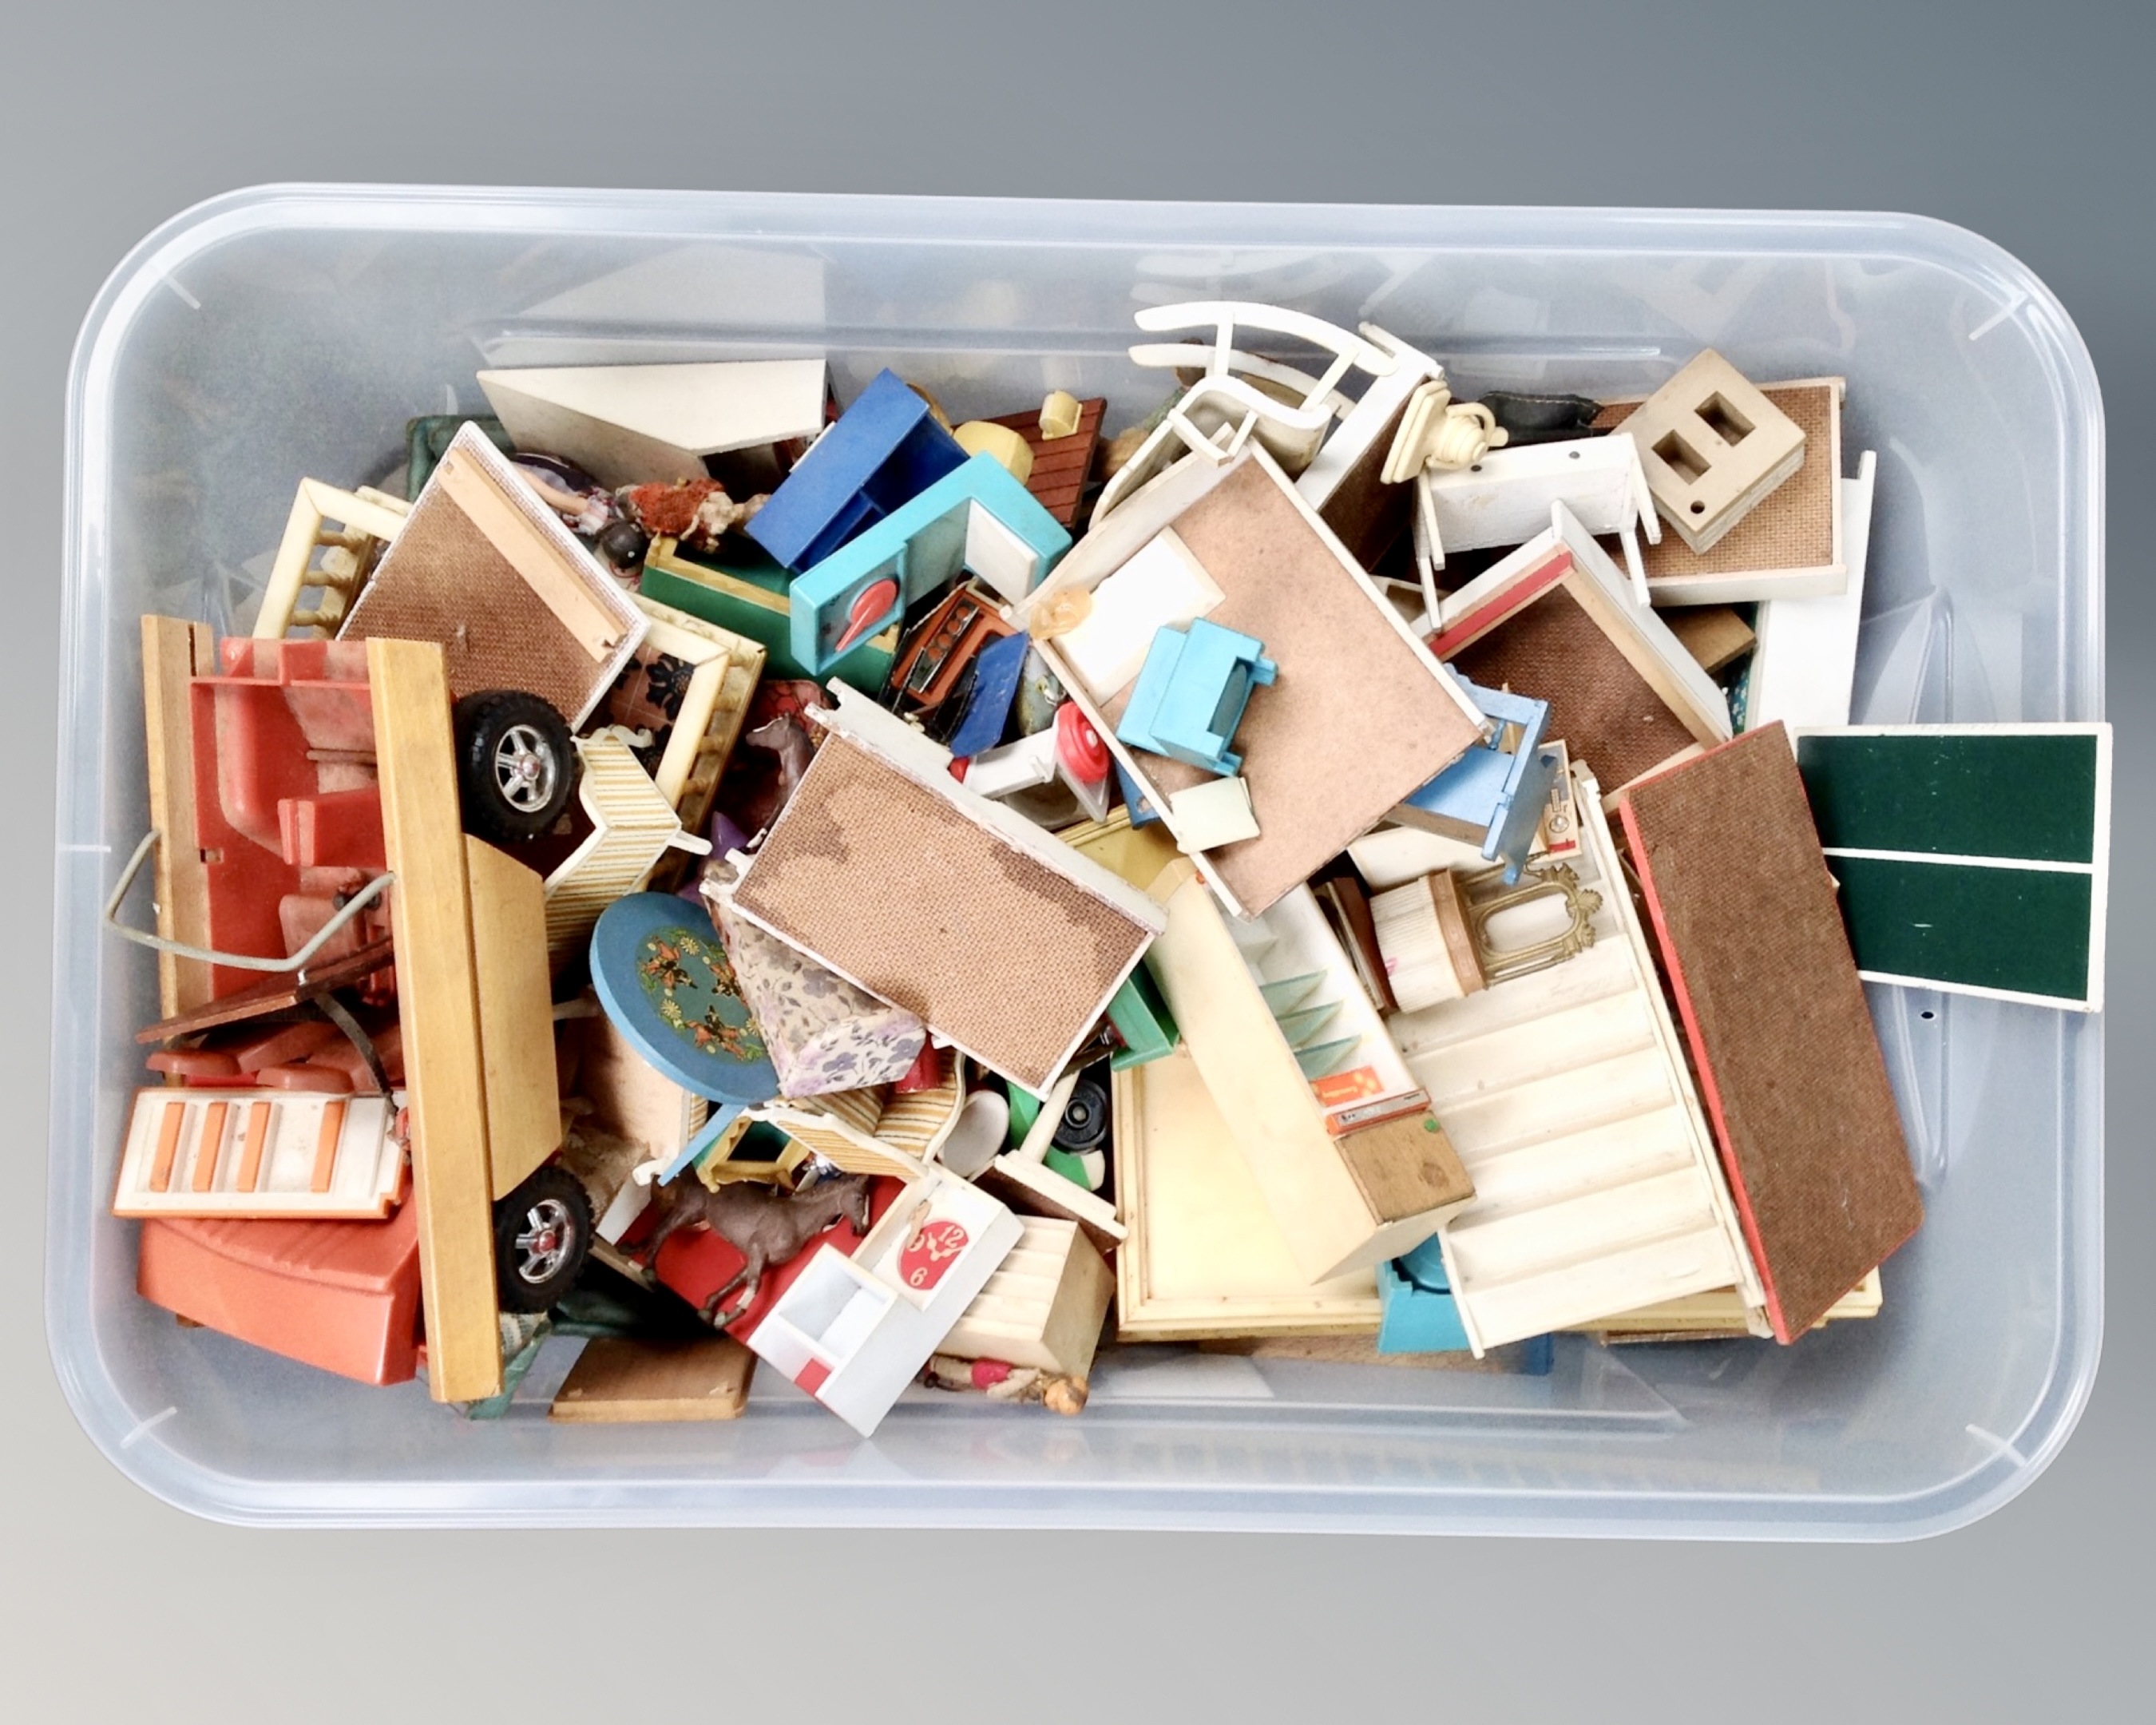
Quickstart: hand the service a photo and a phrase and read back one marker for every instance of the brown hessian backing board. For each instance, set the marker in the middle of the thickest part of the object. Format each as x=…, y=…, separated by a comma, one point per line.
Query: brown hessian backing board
x=1792, y=526
x=1608, y=714
x=1356, y=719
x=889, y=884
x=1744, y=914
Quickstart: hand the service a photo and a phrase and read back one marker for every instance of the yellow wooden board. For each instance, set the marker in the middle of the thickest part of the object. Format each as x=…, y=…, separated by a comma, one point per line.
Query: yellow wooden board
x=174, y=651
x=516, y=1014
x=438, y=1005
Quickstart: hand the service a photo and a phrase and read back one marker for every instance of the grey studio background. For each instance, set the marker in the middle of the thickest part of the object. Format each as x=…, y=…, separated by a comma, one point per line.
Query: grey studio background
x=2029, y=124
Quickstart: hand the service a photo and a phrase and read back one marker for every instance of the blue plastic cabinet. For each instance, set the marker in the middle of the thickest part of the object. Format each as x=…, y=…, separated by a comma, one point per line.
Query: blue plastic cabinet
x=1420, y=1314
x=1189, y=697
x=976, y=519
x=885, y=450
x=1495, y=795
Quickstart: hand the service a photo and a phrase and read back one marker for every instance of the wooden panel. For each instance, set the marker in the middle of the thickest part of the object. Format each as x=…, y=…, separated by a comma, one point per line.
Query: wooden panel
x=916, y=892
x=625, y=1381
x=1789, y=1065
x=172, y=652
x=1204, y=1257
x=515, y=1013
x=438, y=1004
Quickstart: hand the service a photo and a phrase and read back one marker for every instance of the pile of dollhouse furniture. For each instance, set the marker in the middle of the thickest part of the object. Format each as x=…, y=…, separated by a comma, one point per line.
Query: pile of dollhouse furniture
x=718, y=863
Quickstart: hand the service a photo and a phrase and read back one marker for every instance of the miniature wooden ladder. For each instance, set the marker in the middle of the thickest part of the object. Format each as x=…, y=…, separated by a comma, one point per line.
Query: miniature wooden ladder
x=370, y=520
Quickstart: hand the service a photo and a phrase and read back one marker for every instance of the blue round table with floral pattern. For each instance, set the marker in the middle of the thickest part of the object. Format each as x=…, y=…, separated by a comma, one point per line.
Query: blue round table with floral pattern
x=663, y=978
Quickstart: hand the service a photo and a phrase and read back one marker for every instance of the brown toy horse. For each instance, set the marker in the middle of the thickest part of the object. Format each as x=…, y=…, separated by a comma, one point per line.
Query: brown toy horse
x=765, y=1225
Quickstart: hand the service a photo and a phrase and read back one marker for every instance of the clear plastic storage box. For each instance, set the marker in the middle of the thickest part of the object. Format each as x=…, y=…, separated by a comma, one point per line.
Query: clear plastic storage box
x=289, y=331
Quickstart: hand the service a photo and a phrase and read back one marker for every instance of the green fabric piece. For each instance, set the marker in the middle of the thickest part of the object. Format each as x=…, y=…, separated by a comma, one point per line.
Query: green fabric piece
x=2023, y=930
x=2030, y=797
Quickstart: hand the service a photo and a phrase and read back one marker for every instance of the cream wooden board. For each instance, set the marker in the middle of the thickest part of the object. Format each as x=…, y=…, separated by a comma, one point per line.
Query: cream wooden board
x=1803, y=665
x=1204, y=1256
x=218, y=1138
x=1565, y=1092
x=438, y=1004
x=636, y=424
x=307, y=529
x=1722, y=1312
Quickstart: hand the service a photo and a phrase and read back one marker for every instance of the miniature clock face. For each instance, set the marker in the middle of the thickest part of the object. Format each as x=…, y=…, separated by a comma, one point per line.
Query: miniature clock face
x=663, y=978
x=932, y=1248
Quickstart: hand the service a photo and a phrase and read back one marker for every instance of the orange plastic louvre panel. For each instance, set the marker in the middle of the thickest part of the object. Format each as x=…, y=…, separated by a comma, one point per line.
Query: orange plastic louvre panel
x=1744, y=911
x=342, y=1296
x=1607, y=713
x=1792, y=526
x=892, y=885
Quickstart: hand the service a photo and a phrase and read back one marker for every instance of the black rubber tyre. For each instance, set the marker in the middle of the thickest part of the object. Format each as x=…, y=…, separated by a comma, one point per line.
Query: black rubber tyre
x=1084, y=1125
x=542, y=1233
x=516, y=765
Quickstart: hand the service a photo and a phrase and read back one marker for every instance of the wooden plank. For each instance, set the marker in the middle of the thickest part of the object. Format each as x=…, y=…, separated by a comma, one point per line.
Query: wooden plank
x=639, y=1381
x=1713, y=634
x=596, y=629
x=172, y=652
x=438, y=996
x=273, y=994
x=515, y=1013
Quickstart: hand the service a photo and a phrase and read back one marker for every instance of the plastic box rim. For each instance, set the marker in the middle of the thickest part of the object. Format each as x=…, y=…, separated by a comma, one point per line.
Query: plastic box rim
x=128, y=1442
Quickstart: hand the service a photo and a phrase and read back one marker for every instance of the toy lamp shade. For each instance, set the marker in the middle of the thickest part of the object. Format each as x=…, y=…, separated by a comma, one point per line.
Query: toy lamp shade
x=664, y=980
